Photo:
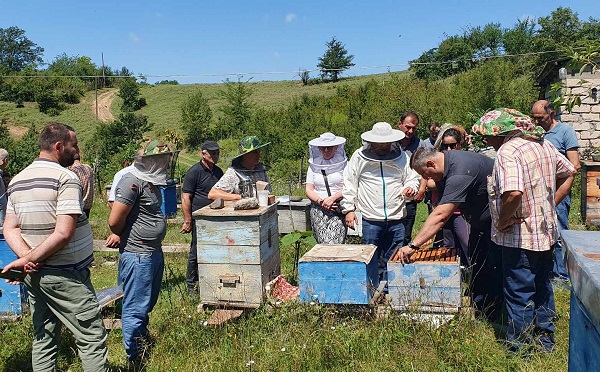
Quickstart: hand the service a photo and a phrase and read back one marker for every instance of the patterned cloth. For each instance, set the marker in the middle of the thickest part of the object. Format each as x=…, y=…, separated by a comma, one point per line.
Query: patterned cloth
x=532, y=168
x=86, y=177
x=328, y=227
x=505, y=120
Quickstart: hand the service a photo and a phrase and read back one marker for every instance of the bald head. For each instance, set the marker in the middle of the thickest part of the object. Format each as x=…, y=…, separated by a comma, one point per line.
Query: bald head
x=543, y=113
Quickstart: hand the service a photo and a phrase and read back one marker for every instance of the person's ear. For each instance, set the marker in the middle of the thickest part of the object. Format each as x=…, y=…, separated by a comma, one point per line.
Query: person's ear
x=58, y=146
x=430, y=164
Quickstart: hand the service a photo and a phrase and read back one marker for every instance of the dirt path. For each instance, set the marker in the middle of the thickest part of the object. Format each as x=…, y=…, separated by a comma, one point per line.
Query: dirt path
x=105, y=100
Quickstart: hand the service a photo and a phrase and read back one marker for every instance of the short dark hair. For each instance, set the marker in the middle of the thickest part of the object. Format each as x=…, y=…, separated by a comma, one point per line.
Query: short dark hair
x=435, y=124
x=52, y=133
x=451, y=132
x=418, y=159
x=408, y=114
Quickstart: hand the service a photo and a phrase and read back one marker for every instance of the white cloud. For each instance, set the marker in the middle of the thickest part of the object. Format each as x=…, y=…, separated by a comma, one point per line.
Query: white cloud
x=133, y=37
x=290, y=17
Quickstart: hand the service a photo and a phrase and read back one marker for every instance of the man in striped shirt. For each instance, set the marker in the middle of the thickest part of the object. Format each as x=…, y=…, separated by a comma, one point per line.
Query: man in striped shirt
x=529, y=178
x=46, y=228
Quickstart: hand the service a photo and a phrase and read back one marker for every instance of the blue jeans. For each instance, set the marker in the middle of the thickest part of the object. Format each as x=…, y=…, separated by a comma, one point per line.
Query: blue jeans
x=528, y=296
x=562, y=211
x=386, y=235
x=140, y=275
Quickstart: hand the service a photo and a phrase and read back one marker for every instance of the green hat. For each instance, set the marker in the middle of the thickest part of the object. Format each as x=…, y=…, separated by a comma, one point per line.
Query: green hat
x=502, y=121
x=155, y=147
x=249, y=144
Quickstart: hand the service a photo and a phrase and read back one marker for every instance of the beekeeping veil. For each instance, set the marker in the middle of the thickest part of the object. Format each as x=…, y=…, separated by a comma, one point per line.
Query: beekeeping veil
x=317, y=162
x=153, y=164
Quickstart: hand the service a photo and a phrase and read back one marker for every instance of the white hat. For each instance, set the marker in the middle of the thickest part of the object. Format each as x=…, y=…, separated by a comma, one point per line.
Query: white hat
x=382, y=132
x=327, y=139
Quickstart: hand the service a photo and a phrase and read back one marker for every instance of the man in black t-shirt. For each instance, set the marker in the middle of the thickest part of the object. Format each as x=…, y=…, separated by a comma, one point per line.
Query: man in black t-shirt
x=461, y=181
x=198, y=181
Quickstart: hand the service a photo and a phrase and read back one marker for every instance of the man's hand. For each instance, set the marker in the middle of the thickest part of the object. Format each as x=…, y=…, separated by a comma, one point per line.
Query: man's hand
x=409, y=192
x=113, y=241
x=504, y=226
x=351, y=219
x=186, y=227
x=404, y=254
x=419, y=196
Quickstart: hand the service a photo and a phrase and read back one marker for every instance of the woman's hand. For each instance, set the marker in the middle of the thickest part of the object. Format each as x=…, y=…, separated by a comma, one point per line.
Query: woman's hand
x=329, y=203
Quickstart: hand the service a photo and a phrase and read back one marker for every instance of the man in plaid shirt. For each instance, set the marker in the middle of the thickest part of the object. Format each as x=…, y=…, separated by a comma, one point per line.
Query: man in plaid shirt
x=529, y=178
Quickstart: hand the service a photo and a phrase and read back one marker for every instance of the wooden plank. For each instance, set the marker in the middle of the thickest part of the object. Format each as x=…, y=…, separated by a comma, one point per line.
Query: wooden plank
x=220, y=316
x=238, y=230
x=228, y=211
x=340, y=252
x=239, y=254
x=248, y=291
x=592, y=189
x=107, y=296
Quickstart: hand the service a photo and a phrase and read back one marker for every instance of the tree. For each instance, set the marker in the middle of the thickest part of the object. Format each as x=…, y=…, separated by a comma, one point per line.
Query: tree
x=335, y=60
x=17, y=51
x=237, y=109
x=129, y=91
x=195, y=118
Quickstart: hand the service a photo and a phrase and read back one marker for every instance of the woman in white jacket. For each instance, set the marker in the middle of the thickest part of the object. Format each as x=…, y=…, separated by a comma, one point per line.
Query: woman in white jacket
x=378, y=181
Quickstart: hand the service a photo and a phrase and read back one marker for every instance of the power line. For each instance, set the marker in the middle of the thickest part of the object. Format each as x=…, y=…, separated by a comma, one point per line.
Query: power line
x=254, y=73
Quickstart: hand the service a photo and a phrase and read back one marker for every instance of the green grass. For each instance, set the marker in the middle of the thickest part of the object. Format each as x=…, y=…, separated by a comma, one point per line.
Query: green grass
x=292, y=336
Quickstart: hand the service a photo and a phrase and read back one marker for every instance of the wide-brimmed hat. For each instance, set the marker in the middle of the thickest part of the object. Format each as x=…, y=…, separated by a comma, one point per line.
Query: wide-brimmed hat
x=327, y=139
x=249, y=144
x=382, y=132
x=503, y=121
x=154, y=147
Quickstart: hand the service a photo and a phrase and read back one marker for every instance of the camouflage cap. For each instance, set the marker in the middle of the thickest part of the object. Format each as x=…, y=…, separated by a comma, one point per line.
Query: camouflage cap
x=502, y=121
x=249, y=144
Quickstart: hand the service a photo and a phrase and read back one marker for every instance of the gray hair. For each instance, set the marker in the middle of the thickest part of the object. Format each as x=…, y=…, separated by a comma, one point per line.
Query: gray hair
x=419, y=158
x=3, y=154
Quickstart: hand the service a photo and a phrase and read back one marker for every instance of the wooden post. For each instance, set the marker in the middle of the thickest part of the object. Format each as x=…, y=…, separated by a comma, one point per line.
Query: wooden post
x=96, y=90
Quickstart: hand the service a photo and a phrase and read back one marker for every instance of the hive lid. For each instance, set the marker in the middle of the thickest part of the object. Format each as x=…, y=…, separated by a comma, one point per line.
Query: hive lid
x=340, y=253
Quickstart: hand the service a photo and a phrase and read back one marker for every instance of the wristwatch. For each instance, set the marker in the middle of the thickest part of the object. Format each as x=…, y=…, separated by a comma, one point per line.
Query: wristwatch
x=412, y=245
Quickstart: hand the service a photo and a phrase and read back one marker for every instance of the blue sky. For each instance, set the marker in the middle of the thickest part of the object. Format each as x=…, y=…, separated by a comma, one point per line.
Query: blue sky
x=199, y=38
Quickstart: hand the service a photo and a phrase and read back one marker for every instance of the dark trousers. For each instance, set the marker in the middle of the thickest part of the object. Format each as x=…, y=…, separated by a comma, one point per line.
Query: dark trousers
x=485, y=265
x=191, y=277
x=529, y=297
x=409, y=221
x=562, y=211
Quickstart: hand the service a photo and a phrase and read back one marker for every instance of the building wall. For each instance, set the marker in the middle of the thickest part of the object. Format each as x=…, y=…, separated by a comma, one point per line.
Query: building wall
x=585, y=118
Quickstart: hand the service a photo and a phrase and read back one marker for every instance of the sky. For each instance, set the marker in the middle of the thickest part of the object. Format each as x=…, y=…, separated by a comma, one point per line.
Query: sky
x=195, y=41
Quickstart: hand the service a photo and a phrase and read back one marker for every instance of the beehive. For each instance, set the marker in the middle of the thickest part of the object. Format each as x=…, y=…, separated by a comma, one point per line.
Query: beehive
x=431, y=283
x=238, y=254
x=338, y=274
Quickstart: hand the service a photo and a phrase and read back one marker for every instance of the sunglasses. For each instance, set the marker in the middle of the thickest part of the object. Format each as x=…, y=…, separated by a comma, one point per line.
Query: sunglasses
x=326, y=147
x=449, y=145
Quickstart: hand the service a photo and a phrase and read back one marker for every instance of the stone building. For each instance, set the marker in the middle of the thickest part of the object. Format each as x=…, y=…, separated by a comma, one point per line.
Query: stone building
x=585, y=118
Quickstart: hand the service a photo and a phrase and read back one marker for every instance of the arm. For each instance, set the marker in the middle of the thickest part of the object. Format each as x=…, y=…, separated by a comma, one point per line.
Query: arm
x=510, y=201
x=413, y=184
x=118, y=217
x=573, y=156
x=186, y=208
x=329, y=202
x=421, y=193
x=312, y=195
x=12, y=234
x=60, y=237
x=563, y=186
x=215, y=193
x=436, y=220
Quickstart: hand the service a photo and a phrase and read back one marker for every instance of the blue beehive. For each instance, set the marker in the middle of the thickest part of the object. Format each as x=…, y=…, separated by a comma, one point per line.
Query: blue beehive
x=338, y=274
x=11, y=296
x=169, y=196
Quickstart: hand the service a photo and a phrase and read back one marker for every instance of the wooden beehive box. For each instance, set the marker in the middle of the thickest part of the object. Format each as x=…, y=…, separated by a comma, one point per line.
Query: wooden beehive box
x=338, y=274
x=590, y=192
x=238, y=254
x=431, y=283
x=294, y=216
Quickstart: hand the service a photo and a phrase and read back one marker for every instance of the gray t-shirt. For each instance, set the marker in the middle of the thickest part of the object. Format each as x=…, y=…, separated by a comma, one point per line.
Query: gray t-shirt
x=145, y=227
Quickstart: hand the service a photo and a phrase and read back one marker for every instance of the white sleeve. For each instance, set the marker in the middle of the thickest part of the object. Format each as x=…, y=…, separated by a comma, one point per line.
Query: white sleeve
x=350, y=188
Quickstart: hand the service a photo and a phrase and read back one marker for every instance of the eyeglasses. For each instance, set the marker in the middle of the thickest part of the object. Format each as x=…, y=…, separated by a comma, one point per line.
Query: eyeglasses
x=325, y=148
x=446, y=146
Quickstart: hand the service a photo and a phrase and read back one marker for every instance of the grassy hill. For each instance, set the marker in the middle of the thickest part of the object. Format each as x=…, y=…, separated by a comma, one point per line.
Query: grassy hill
x=164, y=102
